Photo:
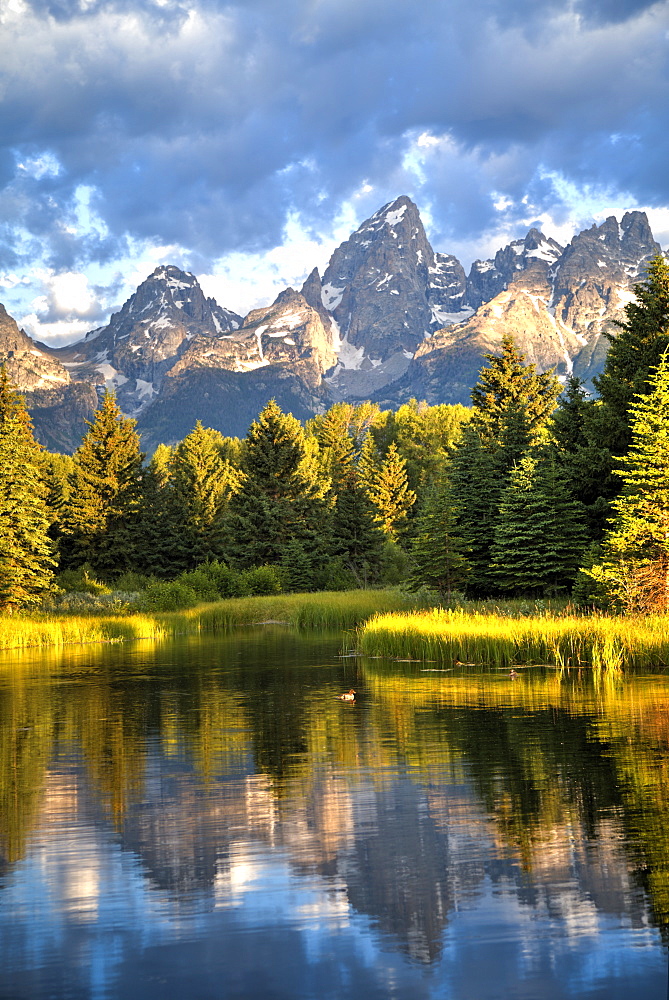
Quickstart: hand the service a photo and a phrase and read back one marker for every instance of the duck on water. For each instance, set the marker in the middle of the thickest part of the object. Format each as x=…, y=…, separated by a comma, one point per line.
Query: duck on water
x=348, y=696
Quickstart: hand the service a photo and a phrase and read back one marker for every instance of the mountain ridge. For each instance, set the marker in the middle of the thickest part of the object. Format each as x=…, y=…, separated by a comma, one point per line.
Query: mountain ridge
x=389, y=319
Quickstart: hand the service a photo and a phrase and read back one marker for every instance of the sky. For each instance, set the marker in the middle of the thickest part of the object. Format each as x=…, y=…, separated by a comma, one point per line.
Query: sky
x=243, y=141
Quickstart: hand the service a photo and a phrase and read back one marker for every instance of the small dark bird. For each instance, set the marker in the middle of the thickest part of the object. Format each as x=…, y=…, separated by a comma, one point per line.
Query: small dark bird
x=348, y=696
x=513, y=674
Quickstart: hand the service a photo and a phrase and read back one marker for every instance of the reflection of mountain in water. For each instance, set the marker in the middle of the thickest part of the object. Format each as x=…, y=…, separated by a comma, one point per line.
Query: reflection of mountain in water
x=415, y=805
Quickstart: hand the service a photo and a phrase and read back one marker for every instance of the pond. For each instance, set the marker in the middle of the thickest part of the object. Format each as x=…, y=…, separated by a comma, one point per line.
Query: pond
x=203, y=818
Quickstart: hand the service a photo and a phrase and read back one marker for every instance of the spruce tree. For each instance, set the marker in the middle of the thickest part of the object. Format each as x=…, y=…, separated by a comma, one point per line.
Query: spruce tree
x=281, y=496
x=357, y=538
x=540, y=534
x=576, y=433
x=476, y=484
x=202, y=481
x=26, y=551
x=101, y=522
x=511, y=398
x=634, y=353
x=389, y=492
x=440, y=555
x=635, y=568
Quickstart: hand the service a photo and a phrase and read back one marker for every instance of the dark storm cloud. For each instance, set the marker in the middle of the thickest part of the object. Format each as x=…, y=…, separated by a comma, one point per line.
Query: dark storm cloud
x=203, y=123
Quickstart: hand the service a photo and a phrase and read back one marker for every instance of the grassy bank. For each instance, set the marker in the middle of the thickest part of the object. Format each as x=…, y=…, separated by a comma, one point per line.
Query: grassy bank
x=448, y=636
x=339, y=609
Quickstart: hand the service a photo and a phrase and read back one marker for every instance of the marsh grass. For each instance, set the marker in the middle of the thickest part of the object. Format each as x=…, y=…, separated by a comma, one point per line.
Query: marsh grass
x=328, y=610
x=604, y=643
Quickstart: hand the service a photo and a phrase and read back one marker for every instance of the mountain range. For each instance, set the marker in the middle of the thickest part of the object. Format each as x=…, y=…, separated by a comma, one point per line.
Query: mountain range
x=390, y=319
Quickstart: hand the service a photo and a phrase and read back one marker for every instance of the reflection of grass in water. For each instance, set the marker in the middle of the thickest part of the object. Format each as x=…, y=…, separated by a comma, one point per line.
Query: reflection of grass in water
x=319, y=611
x=449, y=636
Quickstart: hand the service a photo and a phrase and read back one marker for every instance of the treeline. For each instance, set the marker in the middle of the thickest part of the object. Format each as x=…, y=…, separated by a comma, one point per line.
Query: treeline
x=328, y=506
x=536, y=490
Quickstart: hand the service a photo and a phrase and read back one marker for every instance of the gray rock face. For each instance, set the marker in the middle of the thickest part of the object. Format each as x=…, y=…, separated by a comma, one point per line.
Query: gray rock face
x=383, y=285
x=58, y=405
x=487, y=278
x=143, y=341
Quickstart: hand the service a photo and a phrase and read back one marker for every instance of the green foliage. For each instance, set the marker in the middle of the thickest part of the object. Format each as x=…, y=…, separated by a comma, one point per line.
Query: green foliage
x=634, y=353
x=512, y=402
x=297, y=569
x=540, y=535
x=201, y=583
x=168, y=596
x=26, y=551
x=440, y=554
x=424, y=436
x=81, y=580
x=101, y=521
x=263, y=580
x=228, y=582
x=281, y=496
x=389, y=491
x=395, y=564
x=476, y=483
x=635, y=568
x=202, y=481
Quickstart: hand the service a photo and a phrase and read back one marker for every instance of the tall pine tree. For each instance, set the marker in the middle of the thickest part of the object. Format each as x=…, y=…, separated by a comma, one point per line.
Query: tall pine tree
x=26, y=551
x=388, y=489
x=635, y=567
x=281, y=496
x=101, y=523
x=633, y=354
x=540, y=534
x=440, y=555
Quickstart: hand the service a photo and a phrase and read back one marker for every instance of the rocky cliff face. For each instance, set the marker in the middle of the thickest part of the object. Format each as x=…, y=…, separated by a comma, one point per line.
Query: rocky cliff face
x=390, y=319
x=59, y=406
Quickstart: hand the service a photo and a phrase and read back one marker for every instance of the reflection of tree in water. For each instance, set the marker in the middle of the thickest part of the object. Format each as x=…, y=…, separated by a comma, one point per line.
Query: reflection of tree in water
x=407, y=800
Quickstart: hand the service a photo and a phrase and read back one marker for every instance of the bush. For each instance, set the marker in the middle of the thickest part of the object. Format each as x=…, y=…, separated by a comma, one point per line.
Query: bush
x=80, y=581
x=133, y=581
x=174, y=596
x=262, y=580
x=228, y=582
x=201, y=583
x=334, y=575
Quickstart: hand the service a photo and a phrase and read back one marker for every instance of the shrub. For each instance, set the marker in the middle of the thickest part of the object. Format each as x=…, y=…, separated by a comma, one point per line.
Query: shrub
x=263, y=580
x=133, y=582
x=81, y=581
x=201, y=583
x=173, y=596
x=228, y=582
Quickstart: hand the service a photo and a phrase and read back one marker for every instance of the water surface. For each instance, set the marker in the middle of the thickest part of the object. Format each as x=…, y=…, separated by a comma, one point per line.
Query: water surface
x=203, y=818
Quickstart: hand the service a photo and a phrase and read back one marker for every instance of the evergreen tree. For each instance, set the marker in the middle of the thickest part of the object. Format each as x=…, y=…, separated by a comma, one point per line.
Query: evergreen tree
x=635, y=568
x=26, y=551
x=357, y=538
x=101, y=521
x=476, y=484
x=281, y=496
x=576, y=432
x=164, y=547
x=634, y=353
x=540, y=534
x=203, y=482
x=511, y=399
x=389, y=492
x=439, y=552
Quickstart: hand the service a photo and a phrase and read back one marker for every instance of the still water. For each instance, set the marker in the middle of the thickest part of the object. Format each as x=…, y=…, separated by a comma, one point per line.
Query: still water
x=204, y=819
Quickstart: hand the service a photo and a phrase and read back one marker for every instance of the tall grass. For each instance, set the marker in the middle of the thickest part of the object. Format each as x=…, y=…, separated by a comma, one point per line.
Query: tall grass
x=608, y=643
x=326, y=610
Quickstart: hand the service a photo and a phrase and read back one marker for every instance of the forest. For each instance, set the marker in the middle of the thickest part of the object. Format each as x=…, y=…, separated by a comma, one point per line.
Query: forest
x=540, y=489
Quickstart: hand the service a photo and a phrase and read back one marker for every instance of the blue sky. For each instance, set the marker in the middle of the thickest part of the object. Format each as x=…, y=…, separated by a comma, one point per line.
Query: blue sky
x=244, y=140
